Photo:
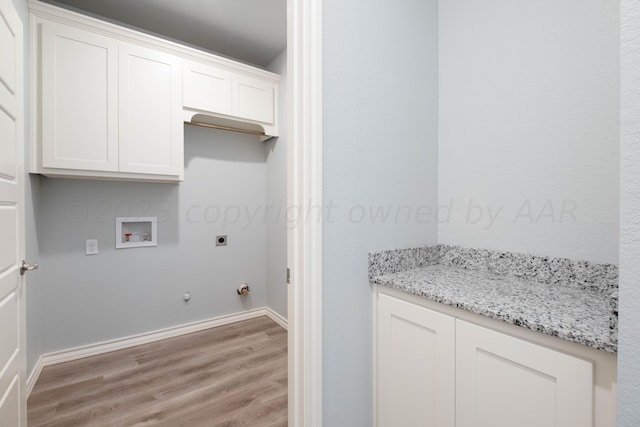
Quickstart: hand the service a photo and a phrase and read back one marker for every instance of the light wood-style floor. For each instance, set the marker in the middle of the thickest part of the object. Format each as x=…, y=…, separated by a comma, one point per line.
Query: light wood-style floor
x=234, y=375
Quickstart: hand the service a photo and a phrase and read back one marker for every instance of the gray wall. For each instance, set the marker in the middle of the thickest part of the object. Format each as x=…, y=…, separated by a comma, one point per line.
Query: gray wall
x=380, y=153
x=629, y=333
x=529, y=126
x=276, y=221
x=117, y=293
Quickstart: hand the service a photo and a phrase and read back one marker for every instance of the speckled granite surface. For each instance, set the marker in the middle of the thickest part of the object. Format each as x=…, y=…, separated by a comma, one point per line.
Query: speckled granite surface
x=573, y=300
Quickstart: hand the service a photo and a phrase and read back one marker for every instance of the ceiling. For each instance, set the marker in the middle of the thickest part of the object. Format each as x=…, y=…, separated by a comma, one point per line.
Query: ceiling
x=252, y=31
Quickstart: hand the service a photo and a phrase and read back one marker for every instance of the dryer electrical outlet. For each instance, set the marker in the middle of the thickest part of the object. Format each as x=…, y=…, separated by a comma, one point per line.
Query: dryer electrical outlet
x=221, y=240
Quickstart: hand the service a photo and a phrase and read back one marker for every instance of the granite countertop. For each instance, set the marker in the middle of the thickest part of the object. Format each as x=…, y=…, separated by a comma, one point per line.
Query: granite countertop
x=573, y=300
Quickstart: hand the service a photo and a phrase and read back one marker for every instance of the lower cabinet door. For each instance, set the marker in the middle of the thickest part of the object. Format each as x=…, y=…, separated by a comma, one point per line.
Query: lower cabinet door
x=415, y=365
x=502, y=381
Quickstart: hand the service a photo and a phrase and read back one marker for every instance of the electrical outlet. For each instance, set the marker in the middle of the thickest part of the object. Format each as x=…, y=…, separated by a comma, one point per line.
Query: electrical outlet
x=91, y=247
x=221, y=240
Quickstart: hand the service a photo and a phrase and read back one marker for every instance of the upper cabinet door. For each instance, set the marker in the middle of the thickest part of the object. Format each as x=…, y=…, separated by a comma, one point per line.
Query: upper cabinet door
x=503, y=381
x=253, y=99
x=151, y=129
x=79, y=99
x=206, y=88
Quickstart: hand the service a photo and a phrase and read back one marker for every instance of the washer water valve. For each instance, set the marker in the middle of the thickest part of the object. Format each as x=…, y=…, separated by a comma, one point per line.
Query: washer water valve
x=243, y=289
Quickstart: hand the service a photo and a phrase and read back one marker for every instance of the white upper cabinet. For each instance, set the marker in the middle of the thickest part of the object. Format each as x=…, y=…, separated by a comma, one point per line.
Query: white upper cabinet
x=206, y=88
x=253, y=99
x=79, y=99
x=103, y=107
x=231, y=98
x=108, y=102
x=151, y=129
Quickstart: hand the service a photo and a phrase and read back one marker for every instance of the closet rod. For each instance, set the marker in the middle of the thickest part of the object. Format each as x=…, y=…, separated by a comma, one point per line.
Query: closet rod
x=207, y=125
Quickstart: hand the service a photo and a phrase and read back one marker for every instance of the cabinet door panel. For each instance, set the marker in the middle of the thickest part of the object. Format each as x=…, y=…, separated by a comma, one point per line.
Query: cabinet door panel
x=151, y=130
x=206, y=88
x=79, y=99
x=253, y=99
x=415, y=365
x=503, y=381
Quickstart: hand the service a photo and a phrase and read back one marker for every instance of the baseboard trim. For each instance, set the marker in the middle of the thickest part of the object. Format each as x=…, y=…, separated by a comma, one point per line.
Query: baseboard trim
x=145, y=338
x=277, y=318
x=34, y=375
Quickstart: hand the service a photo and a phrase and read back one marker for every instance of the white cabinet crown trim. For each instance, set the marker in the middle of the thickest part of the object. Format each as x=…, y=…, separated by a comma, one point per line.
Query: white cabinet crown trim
x=138, y=37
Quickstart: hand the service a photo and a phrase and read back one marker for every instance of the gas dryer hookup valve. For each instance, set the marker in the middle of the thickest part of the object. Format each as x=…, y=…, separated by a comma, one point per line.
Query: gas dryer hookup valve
x=243, y=289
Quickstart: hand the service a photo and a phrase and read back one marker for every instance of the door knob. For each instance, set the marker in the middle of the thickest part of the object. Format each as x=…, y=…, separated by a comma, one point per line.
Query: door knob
x=27, y=267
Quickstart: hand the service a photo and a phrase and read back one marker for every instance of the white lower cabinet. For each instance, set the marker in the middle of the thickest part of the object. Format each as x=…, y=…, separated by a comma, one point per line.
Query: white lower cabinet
x=435, y=369
x=415, y=365
x=502, y=381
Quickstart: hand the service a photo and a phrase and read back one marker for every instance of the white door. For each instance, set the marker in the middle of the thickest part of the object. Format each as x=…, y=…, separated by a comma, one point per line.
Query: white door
x=503, y=381
x=12, y=317
x=416, y=371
